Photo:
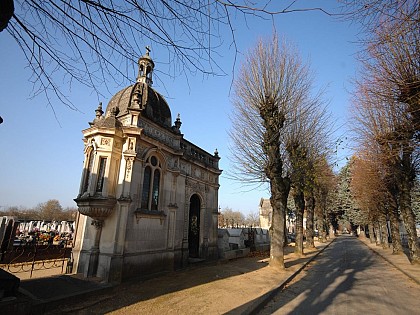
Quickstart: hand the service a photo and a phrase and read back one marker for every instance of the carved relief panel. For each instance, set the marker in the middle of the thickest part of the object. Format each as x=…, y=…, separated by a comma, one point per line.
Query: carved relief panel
x=131, y=144
x=107, y=142
x=129, y=167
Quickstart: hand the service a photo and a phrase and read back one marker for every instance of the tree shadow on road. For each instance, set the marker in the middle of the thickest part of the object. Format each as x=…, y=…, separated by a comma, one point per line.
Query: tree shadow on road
x=327, y=279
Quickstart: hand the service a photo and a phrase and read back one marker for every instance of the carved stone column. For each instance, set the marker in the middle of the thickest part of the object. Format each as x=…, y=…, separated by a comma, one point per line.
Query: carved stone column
x=98, y=208
x=94, y=251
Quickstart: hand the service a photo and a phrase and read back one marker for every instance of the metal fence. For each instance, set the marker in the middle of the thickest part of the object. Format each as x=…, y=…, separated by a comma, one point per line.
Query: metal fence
x=30, y=257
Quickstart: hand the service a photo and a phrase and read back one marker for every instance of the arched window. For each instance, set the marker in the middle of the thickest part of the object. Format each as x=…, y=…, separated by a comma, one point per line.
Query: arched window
x=151, y=184
x=101, y=174
x=88, y=172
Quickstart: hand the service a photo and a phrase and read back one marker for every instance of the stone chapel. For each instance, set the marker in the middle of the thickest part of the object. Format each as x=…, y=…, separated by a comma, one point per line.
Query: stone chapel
x=148, y=198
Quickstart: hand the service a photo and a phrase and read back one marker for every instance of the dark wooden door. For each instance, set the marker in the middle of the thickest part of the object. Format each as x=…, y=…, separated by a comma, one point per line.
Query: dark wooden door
x=194, y=227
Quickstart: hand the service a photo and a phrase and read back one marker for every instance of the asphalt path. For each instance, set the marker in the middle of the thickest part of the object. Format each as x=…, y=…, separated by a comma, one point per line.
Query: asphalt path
x=348, y=278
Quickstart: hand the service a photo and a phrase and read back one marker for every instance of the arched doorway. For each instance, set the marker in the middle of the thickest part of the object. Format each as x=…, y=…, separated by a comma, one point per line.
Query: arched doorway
x=194, y=227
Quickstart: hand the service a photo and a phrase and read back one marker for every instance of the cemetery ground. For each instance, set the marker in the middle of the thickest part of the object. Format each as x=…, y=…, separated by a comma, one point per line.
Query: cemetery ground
x=239, y=286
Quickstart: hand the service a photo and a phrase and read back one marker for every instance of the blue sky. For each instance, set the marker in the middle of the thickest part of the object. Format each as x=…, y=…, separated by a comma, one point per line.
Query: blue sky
x=42, y=151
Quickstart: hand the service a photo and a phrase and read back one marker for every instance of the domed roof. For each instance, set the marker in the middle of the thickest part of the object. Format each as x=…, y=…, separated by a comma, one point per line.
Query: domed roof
x=142, y=97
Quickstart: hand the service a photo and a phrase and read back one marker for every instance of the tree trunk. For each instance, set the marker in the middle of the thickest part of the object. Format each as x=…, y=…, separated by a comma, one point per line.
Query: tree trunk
x=407, y=213
x=377, y=233
x=362, y=231
x=325, y=227
x=310, y=208
x=324, y=234
x=279, y=186
x=371, y=233
x=384, y=232
x=279, y=204
x=331, y=230
x=299, y=200
x=395, y=230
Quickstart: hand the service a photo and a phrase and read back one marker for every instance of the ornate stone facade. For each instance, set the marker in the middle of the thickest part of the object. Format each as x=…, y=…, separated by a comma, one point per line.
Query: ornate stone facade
x=148, y=198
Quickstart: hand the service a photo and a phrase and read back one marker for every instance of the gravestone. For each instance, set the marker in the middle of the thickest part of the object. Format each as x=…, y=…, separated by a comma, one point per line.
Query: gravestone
x=3, y=221
x=262, y=242
x=259, y=236
x=222, y=241
x=236, y=238
x=9, y=235
x=231, y=243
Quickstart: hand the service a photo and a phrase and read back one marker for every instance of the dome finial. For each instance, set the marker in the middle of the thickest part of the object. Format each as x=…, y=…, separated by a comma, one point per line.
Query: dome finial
x=146, y=66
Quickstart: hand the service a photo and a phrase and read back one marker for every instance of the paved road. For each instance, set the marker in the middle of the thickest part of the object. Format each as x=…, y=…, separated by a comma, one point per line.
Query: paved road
x=348, y=278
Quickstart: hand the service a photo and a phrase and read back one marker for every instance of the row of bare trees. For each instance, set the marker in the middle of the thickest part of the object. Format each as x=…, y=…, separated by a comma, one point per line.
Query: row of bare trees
x=387, y=120
x=230, y=218
x=50, y=210
x=280, y=136
x=280, y=133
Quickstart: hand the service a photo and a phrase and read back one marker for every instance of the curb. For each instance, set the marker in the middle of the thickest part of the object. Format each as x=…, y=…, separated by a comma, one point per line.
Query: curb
x=392, y=264
x=267, y=297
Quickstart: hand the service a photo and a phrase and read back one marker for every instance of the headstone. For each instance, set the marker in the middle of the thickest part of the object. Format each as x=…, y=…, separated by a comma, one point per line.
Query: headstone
x=8, y=235
x=223, y=240
x=3, y=221
x=259, y=236
x=236, y=238
x=266, y=234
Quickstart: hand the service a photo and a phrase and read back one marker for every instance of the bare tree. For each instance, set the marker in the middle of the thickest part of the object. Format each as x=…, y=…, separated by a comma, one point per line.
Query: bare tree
x=94, y=41
x=231, y=218
x=273, y=112
x=316, y=189
x=306, y=142
x=324, y=183
x=261, y=103
x=50, y=210
x=374, y=14
x=252, y=219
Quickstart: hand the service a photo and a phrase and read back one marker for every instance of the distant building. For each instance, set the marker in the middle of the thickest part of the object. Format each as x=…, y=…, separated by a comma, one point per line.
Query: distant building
x=266, y=213
x=266, y=217
x=148, y=198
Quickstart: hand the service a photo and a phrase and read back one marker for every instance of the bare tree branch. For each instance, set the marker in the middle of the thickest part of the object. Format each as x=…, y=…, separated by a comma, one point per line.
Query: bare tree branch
x=90, y=41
